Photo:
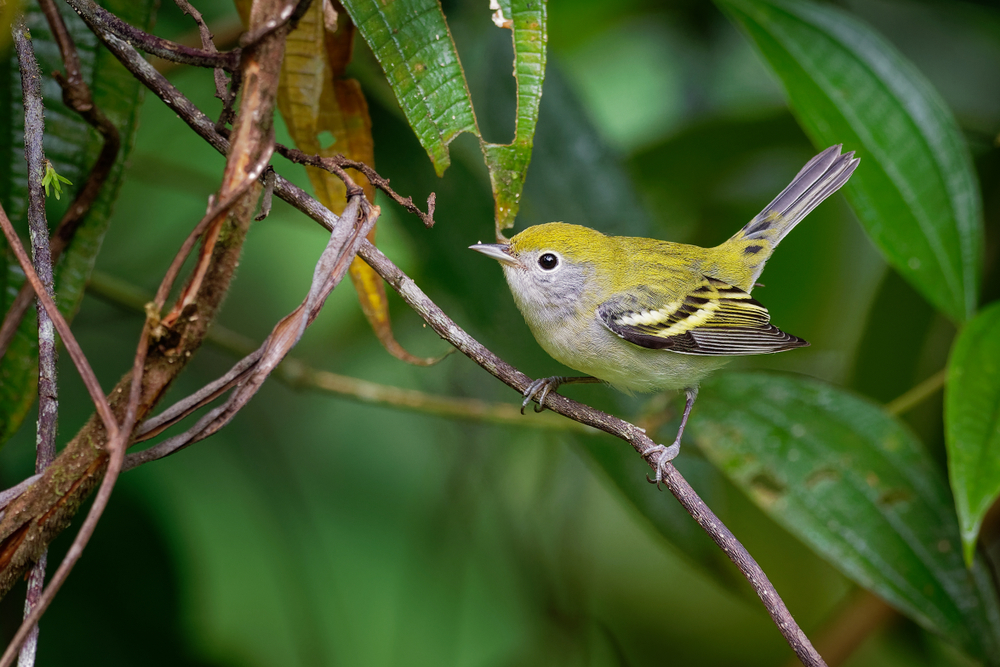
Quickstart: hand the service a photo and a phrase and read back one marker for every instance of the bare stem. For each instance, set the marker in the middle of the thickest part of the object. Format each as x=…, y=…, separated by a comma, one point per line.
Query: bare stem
x=109, y=24
x=76, y=96
x=918, y=394
x=48, y=395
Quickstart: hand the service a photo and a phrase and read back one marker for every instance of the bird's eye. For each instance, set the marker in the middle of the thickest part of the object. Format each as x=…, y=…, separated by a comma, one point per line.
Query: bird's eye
x=548, y=261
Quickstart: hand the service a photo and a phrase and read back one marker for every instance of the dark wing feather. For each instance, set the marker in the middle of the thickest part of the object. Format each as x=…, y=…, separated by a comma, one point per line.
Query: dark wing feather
x=714, y=319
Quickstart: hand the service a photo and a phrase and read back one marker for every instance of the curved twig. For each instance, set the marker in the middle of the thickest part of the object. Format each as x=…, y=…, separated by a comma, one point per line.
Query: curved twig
x=108, y=24
x=336, y=164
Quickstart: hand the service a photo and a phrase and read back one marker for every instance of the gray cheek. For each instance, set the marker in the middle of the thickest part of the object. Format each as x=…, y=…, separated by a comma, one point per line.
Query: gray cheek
x=548, y=297
x=563, y=290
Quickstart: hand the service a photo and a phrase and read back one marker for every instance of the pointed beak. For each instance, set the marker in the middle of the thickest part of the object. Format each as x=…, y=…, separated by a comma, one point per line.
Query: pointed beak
x=498, y=251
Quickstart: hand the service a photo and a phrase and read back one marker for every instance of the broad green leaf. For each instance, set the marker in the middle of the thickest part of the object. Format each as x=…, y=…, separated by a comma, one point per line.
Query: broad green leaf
x=915, y=191
x=412, y=42
x=508, y=164
x=857, y=487
x=972, y=422
x=72, y=147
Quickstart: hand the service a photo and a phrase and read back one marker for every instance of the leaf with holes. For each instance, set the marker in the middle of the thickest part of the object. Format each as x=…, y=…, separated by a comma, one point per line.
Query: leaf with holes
x=412, y=42
x=508, y=163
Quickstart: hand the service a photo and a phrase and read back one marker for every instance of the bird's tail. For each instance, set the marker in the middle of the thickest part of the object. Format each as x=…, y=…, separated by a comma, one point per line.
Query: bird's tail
x=821, y=177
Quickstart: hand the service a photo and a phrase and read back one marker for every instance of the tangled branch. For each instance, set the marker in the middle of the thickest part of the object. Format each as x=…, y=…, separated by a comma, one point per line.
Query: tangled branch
x=45, y=508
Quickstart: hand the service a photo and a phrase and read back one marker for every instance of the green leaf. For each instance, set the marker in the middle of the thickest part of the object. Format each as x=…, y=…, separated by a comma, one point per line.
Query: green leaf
x=508, y=164
x=53, y=180
x=857, y=487
x=412, y=42
x=972, y=422
x=71, y=146
x=915, y=191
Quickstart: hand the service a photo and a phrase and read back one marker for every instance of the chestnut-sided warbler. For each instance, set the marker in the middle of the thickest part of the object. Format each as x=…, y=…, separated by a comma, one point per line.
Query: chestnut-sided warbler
x=646, y=315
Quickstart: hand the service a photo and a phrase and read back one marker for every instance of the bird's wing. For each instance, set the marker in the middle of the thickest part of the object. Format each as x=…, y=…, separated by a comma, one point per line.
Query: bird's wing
x=713, y=319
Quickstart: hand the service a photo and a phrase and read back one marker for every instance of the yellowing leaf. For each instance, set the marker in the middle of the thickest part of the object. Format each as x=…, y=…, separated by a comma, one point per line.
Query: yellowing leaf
x=328, y=115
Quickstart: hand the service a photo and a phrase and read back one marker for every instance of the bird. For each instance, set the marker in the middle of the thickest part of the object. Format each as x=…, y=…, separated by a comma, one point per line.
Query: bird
x=644, y=315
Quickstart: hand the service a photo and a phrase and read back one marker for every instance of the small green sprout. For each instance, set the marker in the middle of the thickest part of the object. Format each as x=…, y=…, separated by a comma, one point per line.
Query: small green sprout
x=53, y=179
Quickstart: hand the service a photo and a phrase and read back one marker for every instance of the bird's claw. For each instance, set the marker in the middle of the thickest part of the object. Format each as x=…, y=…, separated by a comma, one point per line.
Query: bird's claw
x=540, y=387
x=664, y=455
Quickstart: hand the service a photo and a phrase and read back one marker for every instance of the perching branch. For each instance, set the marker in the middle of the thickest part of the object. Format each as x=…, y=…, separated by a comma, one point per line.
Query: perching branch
x=630, y=433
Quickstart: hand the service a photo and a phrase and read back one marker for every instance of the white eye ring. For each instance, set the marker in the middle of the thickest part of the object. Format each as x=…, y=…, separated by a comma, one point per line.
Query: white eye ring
x=549, y=261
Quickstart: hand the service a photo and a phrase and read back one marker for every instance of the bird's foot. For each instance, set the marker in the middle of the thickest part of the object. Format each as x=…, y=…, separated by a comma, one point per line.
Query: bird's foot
x=662, y=455
x=539, y=390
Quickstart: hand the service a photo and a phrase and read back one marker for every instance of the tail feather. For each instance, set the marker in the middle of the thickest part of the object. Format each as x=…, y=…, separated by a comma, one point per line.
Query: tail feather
x=820, y=178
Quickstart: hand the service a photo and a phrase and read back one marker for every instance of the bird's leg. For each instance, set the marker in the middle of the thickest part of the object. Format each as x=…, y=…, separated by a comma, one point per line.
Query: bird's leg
x=667, y=454
x=540, y=388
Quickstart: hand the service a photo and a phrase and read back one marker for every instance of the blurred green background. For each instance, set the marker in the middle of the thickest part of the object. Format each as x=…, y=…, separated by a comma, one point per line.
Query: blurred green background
x=318, y=531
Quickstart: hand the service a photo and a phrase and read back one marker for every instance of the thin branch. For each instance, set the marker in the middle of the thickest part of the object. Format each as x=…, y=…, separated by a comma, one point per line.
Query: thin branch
x=221, y=82
x=108, y=24
x=336, y=165
x=77, y=96
x=7, y=495
x=918, y=394
x=48, y=387
x=116, y=443
x=186, y=406
x=226, y=34
x=34, y=130
x=36, y=580
x=863, y=615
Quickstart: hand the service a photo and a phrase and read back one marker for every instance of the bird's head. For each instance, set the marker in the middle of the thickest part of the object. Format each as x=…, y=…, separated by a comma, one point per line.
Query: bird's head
x=548, y=267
